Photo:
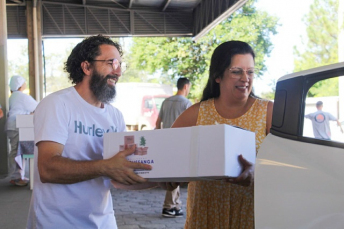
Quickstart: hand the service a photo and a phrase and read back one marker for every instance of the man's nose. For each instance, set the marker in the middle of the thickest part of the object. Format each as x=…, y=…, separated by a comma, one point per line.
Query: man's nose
x=117, y=71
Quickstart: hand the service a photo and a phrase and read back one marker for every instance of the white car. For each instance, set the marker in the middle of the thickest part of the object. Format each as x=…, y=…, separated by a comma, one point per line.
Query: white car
x=299, y=180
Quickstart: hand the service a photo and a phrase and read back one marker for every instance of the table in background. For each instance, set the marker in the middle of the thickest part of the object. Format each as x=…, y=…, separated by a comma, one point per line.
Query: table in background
x=26, y=149
x=26, y=142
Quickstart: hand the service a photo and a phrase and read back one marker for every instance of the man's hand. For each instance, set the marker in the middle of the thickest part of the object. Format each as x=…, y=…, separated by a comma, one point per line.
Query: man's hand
x=246, y=178
x=119, y=169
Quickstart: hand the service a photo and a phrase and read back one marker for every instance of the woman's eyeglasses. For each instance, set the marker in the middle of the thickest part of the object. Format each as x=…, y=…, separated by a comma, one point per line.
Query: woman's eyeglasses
x=237, y=73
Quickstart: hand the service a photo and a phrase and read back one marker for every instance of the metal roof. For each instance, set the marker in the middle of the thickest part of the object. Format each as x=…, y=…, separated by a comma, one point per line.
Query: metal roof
x=78, y=18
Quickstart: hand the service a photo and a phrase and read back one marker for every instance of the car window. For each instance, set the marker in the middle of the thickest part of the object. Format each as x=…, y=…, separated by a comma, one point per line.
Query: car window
x=148, y=103
x=158, y=102
x=324, y=110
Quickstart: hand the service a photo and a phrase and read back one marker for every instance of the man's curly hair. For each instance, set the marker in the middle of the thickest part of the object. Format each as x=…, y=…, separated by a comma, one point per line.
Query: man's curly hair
x=87, y=50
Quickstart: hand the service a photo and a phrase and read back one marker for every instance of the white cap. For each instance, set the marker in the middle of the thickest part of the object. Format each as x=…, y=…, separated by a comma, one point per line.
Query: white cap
x=16, y=82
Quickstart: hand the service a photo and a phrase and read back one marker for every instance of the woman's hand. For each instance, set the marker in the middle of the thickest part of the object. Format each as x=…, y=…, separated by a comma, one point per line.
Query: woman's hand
x=246, y=178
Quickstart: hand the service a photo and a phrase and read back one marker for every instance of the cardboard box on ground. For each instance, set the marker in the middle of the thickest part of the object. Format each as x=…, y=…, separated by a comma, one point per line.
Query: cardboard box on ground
x=186, y=154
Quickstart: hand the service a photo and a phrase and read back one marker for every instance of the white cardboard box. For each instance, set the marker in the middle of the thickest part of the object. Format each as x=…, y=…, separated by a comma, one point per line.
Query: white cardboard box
x=25, y=125
x=24, y=121
x=186, y=154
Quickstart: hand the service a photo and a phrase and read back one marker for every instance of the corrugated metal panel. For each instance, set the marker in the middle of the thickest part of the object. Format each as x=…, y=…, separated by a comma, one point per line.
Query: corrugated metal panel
x=179, y=23
x=119, y=22
x=183, y=4
x=74, y=20
x=16, y=22
x=52, y=15
x=146, y=23
x=209, y=10
x=148, y=3
x=61, y=18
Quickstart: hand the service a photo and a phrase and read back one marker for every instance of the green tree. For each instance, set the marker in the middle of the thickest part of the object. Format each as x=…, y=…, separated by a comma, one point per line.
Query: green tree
x=270, y=95
x=56, y=77
x=181, y=57
x=321, y=45
x=20, y=66
x=142, y=141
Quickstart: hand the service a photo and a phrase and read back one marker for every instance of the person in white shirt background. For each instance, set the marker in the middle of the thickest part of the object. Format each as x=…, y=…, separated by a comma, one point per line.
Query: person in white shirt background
x=19, y=103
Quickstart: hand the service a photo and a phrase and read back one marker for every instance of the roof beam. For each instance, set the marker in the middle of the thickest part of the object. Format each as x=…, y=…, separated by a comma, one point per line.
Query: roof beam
x=149, y=23
x=74, y=19
x=17, y=1
x=130, y=4
x=120, y=21
x=114, y=1
x=53, y=20
x=167, y=2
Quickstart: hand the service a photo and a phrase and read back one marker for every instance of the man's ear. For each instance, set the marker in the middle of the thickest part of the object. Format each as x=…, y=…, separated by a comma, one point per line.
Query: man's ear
x=85, y=66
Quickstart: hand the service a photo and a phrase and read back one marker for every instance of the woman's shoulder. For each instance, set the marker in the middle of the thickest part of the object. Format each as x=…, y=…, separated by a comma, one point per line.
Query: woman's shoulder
x=262, y=102
x=264, y=105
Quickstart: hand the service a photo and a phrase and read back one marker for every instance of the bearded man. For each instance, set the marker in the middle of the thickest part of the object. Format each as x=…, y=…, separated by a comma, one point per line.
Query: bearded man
x=71, y=178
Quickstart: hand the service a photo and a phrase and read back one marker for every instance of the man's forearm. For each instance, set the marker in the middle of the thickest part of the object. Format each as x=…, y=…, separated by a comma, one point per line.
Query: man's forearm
x=67, y=171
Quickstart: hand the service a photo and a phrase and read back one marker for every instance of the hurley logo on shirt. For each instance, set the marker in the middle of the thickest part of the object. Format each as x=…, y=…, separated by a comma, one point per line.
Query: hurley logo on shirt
x=91, y=130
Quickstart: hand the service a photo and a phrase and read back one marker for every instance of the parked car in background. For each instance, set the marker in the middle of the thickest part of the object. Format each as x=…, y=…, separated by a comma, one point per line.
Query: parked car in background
x=140, y=103
x=299, y=180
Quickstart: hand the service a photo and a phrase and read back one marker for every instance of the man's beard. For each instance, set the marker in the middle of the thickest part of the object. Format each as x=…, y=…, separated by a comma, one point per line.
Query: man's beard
x=102, y=91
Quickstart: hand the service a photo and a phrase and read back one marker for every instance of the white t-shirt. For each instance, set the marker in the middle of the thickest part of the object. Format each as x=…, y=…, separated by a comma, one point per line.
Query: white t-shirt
x=66, y=118
x=20, y=103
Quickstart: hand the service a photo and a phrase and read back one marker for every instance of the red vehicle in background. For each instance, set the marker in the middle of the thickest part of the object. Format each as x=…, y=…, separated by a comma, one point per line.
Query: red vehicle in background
x=151, y=105
x=140, y=103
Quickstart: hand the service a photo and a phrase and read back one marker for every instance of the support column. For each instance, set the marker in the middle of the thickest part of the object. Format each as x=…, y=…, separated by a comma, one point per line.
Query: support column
x=341, y=57
x=33, y=13
x=4, y=93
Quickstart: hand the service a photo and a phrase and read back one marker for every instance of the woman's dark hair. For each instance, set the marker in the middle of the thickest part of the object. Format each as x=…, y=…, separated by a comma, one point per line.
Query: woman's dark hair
x=87, y=50
x=220, y=61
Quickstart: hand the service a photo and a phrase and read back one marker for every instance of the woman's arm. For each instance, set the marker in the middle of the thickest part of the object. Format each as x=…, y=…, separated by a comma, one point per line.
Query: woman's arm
x=188, y=117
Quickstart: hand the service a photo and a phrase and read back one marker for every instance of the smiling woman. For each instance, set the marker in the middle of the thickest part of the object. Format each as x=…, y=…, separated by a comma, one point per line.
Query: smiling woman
x=227, y=99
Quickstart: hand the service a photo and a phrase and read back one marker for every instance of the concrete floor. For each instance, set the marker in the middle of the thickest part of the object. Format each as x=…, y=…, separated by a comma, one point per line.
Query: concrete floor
x=14, y=205
x=133, y=209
